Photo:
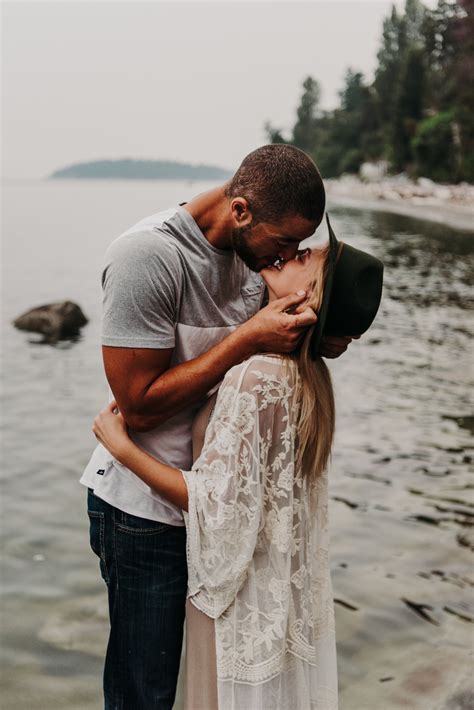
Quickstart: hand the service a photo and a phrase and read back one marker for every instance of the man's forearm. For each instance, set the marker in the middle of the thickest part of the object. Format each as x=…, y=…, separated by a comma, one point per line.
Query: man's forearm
x=188, y=382
x=165, y=391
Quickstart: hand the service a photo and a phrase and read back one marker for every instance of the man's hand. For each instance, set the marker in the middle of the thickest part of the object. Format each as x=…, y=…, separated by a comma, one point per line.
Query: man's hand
x=273, y=329
x=332, y=346
x=149, y=391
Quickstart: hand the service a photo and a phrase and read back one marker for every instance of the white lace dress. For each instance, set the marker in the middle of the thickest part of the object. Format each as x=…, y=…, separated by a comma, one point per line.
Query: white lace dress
x=258, y=548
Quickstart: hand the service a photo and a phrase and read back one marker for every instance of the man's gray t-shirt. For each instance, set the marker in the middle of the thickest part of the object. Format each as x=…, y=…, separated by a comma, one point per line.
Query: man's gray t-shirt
x=165, y=286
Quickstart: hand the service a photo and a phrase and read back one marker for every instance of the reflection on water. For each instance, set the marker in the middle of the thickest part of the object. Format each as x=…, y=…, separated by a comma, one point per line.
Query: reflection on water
x=402, y=508
x=432, y=268
x=403, y=511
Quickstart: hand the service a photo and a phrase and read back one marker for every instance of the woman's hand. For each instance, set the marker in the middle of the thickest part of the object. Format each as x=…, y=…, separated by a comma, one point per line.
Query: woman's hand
x=110, y=429
x=334, y=346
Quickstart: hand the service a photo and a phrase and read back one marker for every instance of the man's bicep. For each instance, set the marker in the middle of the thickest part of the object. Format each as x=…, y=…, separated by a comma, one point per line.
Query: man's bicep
x=130, y=372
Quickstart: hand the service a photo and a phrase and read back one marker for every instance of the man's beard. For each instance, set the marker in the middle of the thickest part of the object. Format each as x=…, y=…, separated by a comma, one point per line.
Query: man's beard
x=240, y=242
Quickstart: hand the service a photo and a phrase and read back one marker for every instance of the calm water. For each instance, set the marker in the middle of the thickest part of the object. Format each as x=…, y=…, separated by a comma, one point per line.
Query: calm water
x=402, y=503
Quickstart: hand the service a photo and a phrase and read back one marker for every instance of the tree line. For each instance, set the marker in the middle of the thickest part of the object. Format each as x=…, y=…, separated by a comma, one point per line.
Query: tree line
x=416, y=114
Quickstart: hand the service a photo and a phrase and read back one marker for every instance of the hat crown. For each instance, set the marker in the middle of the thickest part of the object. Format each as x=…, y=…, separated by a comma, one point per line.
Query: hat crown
x=356, y=293
x=352, y=293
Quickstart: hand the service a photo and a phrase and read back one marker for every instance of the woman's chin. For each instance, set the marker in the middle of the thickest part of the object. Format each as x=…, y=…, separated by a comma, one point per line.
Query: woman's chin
x=267, y=275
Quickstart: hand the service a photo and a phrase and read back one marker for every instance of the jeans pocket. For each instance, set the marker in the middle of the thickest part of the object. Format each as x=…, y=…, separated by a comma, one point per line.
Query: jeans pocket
x=97, y=540
x=139, y=526
x=149, y=553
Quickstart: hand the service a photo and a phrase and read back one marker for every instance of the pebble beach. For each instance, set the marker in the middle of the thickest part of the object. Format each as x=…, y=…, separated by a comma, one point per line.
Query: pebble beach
x=452, y=205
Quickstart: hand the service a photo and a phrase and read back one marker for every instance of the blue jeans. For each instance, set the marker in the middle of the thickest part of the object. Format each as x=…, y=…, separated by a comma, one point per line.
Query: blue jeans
x=143, y=564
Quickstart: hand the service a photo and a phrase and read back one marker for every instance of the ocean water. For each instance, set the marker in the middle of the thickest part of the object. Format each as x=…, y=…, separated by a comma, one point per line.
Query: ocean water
x=402, y=505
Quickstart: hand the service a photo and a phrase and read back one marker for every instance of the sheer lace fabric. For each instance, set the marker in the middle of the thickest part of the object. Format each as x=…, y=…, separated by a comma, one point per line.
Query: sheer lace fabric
x=258, y=548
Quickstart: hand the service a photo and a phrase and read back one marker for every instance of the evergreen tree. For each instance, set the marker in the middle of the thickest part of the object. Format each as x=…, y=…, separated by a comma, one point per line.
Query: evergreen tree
x=460, y=91
x=359, y=125
x=418, y=110
x=408, y=109
x=439, y=50
x=389, y=62
x=414, y=23
x=304, y=131
x=354, y=94
x=274, y=135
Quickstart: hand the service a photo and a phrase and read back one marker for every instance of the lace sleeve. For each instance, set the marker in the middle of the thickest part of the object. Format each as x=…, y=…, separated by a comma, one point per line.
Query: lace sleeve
x=225, y=484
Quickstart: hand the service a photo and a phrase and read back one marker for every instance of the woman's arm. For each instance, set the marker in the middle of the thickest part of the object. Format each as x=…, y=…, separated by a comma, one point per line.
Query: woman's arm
x=247, y=441
x=111, y=430
x=238, y=488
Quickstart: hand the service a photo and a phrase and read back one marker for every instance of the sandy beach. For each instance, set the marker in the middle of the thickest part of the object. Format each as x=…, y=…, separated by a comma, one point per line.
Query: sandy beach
x=451, y=205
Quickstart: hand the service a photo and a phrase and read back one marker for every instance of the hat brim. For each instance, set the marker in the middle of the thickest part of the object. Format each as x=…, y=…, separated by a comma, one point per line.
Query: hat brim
x=323, y=311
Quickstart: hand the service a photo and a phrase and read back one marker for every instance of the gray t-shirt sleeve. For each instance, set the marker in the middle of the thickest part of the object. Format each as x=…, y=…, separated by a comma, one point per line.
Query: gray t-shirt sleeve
x=141, y=283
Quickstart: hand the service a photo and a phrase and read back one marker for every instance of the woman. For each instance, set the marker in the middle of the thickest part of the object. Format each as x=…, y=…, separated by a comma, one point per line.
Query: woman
x=256, y=502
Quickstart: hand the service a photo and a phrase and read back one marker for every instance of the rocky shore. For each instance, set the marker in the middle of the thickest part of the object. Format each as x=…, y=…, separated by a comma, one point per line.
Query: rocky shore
x=452, y=205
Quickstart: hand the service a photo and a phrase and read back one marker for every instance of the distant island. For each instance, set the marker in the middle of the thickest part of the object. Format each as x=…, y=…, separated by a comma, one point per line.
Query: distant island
x=130, y=169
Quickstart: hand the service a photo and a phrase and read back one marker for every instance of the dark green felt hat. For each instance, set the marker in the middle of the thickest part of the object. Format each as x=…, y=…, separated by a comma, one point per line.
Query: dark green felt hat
x=352, y=292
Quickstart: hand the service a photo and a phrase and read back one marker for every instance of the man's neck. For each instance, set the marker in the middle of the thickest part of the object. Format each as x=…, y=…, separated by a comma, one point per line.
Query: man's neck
x=210, y=211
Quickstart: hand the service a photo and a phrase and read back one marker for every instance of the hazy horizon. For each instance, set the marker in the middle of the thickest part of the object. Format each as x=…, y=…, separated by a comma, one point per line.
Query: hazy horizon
x=193, y=82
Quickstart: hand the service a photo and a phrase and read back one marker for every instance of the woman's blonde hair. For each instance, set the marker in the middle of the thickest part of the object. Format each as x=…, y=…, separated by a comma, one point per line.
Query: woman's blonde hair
x=314, y=393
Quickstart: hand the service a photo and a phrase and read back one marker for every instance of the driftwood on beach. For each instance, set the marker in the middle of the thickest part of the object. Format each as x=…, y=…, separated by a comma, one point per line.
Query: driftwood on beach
x=55, y=321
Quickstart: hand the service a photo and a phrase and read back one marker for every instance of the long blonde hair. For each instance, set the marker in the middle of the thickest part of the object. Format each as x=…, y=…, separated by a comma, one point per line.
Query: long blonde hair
x=314, y=393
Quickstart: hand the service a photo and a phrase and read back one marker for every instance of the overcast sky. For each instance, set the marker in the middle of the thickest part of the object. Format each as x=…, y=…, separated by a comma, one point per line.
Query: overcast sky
x=189, y=81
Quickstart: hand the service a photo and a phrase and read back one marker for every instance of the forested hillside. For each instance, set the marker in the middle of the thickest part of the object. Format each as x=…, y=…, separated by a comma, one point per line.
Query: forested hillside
x=417, y=113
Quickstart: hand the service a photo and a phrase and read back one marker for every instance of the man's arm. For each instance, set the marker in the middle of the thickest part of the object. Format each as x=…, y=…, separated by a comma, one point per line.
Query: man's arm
x=148, y=391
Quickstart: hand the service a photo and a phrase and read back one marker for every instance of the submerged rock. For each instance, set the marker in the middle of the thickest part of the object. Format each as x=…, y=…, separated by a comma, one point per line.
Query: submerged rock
x=56, y=321
x=466, y=539
x=462, y=700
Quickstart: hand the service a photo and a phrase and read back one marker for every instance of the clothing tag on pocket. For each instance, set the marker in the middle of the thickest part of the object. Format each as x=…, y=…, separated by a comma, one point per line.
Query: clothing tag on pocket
x=100, y=472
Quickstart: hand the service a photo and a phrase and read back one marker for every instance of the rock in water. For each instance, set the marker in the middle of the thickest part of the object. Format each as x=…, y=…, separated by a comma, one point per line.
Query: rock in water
x=55, y=321
x=466, y=538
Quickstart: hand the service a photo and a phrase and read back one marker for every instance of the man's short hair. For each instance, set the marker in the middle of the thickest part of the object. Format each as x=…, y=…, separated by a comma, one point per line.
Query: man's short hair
x=279, y=181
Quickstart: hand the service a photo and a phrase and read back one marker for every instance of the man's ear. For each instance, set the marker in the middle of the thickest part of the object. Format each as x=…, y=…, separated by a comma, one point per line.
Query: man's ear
x=241, y=213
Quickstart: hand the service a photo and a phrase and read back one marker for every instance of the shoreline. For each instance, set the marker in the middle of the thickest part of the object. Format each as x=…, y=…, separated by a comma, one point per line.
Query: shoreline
x=448, y=205
x=441, y=204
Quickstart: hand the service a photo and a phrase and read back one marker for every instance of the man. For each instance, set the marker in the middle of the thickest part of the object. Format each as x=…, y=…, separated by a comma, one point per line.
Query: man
x=181, y=307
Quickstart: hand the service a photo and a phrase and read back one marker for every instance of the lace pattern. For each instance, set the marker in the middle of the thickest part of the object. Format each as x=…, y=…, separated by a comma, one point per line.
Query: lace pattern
x=257, y=547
